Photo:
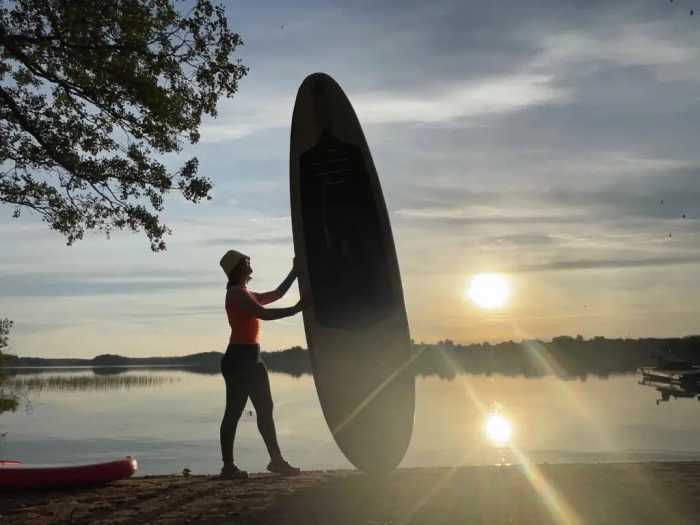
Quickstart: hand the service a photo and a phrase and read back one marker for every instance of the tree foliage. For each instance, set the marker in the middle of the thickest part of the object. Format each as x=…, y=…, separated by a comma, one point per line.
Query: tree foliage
x=92, y=92
x=5, y=325
x=8, y=401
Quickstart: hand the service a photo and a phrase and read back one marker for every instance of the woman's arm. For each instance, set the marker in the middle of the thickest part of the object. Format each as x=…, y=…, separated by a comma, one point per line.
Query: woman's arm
x=277, y=293
x=244, y=301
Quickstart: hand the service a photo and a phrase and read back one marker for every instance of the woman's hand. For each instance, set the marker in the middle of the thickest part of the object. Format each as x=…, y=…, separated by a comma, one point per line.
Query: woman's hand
x=284, y=286
x=303, y=303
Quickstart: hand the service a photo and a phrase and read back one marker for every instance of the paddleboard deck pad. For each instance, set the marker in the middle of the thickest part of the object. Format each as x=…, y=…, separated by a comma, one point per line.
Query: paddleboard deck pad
x=355, y=317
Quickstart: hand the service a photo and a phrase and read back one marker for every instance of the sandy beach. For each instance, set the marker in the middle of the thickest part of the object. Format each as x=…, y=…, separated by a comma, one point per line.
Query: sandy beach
x=638, y=493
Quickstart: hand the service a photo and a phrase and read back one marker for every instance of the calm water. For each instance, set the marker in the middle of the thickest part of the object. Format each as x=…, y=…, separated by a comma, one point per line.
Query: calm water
x=169, y=419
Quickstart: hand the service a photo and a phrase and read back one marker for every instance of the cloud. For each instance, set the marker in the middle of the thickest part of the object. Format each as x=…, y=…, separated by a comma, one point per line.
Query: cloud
x=669, y=197
x=505, y=216
x=176, y=311
x=519, y=239
x=30, y=327
x=634, y=44
x=137, y=282
x=471, y=98
x=592, y=264
x=248, y=114
x=466, y=60
x=484, y=96
x=238, y=241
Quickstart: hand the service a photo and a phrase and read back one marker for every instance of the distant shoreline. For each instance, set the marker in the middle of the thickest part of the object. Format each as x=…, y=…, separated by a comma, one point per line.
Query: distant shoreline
x=564, y=356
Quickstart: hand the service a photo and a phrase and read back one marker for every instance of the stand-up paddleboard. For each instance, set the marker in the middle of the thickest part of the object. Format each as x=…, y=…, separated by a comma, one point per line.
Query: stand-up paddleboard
x=355, y=318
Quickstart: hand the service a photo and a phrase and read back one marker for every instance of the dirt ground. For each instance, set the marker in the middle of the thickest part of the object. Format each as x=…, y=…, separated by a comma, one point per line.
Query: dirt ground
x=632, y=493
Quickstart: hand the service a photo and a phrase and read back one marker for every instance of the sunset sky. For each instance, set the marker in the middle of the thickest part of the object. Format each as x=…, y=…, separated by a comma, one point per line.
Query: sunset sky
x=553, y=142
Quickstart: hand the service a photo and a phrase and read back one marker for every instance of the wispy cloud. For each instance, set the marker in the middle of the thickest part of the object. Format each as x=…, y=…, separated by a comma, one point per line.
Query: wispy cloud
x=472, y=98
x=670, y=197
x=66, y=285
x=238, y=241
x=519, y=239
x=593, y=264
x=494, y=95
x=30, y=327
x=458, y=216
x=177, y=311
x=635, y=44
x=247, y=115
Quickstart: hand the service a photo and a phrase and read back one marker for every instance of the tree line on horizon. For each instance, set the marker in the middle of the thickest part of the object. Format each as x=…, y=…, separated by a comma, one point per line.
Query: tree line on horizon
x=563, y=356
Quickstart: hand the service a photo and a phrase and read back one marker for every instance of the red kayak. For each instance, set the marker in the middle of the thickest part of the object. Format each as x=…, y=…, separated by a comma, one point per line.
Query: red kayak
x=18, y=475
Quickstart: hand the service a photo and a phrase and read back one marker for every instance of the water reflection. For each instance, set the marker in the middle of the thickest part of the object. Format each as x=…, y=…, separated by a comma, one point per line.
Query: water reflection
x=672, y=378
x=670, y=390
x=176, y=426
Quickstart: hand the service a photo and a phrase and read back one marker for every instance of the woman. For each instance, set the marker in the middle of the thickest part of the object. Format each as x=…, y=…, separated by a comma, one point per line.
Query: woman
x=243, y=370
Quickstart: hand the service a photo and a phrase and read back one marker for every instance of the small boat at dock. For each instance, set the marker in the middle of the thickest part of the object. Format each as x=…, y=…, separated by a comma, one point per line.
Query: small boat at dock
x=666, y=375
x=670, y=370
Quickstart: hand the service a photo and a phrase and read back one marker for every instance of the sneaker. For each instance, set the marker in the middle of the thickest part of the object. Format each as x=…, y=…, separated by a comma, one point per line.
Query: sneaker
x=280, y=466
x=232, y=472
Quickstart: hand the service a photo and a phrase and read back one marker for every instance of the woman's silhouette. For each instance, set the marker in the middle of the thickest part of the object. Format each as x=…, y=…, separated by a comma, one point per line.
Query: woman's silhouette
x=243, y=370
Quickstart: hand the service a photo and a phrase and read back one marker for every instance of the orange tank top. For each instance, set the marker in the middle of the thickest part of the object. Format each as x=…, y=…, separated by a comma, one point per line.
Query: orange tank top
x=245, y=327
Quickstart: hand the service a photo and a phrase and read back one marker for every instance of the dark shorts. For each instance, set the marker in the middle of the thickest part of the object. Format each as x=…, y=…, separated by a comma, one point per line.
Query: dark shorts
x=240, y=358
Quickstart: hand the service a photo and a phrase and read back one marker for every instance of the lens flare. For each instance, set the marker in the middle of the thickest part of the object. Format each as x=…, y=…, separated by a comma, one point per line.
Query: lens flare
x=498, y=429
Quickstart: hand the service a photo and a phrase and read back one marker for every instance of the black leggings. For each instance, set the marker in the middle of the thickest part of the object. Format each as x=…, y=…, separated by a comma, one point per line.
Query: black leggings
x=246, y=376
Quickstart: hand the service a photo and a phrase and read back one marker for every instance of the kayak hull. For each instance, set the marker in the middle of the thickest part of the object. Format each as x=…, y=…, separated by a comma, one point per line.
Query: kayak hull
x=15, y=475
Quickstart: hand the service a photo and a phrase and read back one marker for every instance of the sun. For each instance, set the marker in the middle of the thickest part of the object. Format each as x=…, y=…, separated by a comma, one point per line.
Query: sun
x=498, y=429
x=488, y=290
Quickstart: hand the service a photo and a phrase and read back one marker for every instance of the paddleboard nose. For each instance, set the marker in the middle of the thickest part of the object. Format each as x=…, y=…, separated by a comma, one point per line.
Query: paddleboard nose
x=319, y=85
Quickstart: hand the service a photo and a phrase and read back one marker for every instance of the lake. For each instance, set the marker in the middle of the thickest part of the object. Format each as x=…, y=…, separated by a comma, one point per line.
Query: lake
x=169, y=419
